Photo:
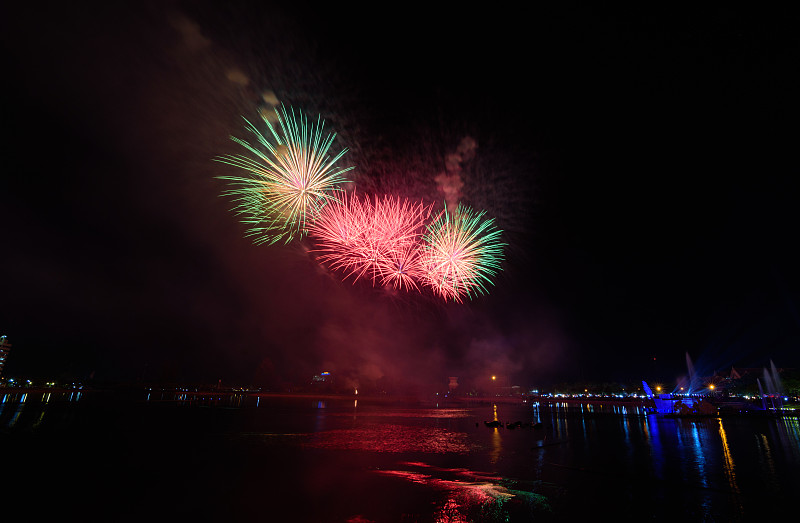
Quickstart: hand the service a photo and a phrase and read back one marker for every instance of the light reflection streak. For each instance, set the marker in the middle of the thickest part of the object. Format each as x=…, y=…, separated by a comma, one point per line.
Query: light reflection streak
x=583, y=426
x=699, y=455
x=39, y=421
x=700, y=463
x=729, y=466
x=15, y=417
x=497, y=446
x=626, y=430
x=558, y=427
x=650, y=427
x=766, y=451
x=790, y=430
x=497, y=443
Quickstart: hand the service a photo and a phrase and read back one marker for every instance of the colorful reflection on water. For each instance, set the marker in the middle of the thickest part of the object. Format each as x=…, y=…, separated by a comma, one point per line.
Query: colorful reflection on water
x=32, y=404
x=373, y=461
x=470, y=495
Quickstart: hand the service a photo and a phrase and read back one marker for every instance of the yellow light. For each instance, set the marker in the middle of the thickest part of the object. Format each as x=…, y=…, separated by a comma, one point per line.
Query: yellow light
x=494, y=378
x=658, y=388
x=711, y=386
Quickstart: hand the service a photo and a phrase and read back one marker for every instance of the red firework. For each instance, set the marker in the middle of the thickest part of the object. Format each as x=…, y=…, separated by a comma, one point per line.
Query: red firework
x=375, y=239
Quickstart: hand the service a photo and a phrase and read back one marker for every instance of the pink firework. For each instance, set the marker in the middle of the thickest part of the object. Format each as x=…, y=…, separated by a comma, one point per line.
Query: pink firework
x=402, y=267
x=373, y=239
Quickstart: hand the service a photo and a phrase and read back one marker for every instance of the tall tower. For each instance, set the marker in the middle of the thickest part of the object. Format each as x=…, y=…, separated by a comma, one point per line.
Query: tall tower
x=5, y=348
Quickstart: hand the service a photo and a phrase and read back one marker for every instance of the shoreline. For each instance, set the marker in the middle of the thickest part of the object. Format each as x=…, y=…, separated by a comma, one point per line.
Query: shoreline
x=217, y=396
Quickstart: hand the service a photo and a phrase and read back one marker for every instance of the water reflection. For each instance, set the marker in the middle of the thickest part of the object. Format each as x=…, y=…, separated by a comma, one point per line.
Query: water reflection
x=651, y=436
x=187, y=398
x=699, y=461
x=585, y=461
x=730, y=468
x=28, y=410
x=17, y=413
x=497, y=442
x=496, y=446
x=380, y=437
x=468, y=495
x=765, y=458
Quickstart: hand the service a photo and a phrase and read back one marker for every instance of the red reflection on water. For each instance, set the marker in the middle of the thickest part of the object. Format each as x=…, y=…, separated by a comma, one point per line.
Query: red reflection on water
x=413, y=413
x=460, y=472
x=392, y=438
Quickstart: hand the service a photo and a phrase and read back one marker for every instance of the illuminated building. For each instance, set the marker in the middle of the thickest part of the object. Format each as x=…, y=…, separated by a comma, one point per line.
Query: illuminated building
x=322, y=382
x=5, y=348
x=323, y=377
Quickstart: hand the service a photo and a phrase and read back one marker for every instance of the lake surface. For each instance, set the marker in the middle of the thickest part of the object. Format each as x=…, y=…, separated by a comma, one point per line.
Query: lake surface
x=100, y=457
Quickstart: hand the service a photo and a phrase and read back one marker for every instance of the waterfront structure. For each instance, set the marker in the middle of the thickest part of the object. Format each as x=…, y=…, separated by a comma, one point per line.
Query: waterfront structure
x=5, y=348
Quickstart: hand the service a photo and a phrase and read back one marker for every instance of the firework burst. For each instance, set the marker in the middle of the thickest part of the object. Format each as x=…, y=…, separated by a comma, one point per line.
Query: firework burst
x=374, y=239
x=461, y=252
x=289, y=176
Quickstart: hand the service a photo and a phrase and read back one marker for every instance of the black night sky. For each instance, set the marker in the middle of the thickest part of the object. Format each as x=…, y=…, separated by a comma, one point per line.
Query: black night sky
x=639, y=162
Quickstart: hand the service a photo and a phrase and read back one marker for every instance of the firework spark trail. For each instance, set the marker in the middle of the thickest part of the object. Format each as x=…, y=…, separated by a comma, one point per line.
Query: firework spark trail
x=399, y=226
x=288, y=182
x=341, y=232
x=374, y=239
x=461, y=252
x=402, y=267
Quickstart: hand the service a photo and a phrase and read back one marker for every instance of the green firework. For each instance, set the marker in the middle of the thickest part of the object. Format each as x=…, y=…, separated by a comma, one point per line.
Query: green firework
x=289, y=176
x=462, y=251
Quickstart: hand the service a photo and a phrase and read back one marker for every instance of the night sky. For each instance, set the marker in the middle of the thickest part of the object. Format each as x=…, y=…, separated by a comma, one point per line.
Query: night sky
x=640, y=163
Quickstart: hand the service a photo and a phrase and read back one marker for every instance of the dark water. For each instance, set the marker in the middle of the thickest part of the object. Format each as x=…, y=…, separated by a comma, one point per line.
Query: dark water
x=103, y=458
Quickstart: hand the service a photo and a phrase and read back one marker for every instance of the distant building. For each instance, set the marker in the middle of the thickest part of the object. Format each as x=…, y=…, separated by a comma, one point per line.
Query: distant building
x=323, y=377
x=5, y=348
x=453, y=385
